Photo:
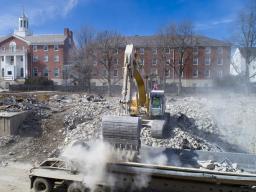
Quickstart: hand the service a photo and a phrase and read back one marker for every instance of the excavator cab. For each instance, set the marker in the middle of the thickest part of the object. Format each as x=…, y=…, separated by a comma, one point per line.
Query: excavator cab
x=157, y=104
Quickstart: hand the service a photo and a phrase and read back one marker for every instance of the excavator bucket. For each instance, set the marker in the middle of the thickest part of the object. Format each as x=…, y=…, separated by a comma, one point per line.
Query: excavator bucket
x=122, y=131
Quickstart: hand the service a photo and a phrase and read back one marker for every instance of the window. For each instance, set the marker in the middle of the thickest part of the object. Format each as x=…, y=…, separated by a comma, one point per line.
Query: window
x=24, y=24
x=35, y=48
x=219, y=73
x=207, y=73
x=219, y=50
x=154, y=51
x=116, y=61
x=9, y=72
x=142, y=61
x=167, y=50
x=195, y=60
x=35, y=72
x=56, y=72
x=154, y=61
x=208, y=50
x=207, y=60
x=56, y=47
x=219, y=60
x=141, y=50
x=12, y=59
x=35, y=58
x=95, y=62
x=115, y=73
x=46, y=59
x=21, y=58
x=45, y=47
x=167, y=72
x=12, y=46
x=195, y=50
x=168, y=61
x=105, y=72
x=153, y=71
x=2, y=72
x=195, y=72
x=56, y=58
x=22, y=72
x=45, y=72
x=2, y=58
x=116, y=51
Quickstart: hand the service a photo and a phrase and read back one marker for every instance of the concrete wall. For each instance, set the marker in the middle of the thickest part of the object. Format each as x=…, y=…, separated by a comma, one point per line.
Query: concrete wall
x=10, y=122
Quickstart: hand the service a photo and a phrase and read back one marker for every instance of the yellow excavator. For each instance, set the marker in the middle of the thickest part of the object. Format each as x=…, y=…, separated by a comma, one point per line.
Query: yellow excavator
x=138, y=108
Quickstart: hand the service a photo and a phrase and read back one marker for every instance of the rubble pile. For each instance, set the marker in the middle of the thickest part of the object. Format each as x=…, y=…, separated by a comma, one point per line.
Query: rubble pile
x=194, y=111
x=224, y=166
x=83, y=122
x=179, y=139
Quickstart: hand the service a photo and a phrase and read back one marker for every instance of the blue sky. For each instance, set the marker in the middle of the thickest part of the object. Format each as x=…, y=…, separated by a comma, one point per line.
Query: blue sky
x=213, y=18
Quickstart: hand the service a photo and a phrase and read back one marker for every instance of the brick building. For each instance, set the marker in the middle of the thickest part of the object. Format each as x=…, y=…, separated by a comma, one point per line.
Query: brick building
x=208, y=59
x=24, y=55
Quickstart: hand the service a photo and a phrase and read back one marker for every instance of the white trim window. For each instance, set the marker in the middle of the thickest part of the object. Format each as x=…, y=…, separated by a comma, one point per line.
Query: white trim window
x=207, y=59
x=45, y=47
x=115, y=73
x=34, y=72
x=56, y=72
x=95, y=62
x=219, y=51
x=168, y=61
x=142, y=50
x=154, y=51
x=56, y=58
x=207, y=73
x=219, y=60
x=2, y=58
x=195, y=72
x=207, y=50
x=167, y=50
x=116, y=51
x=46, y=58
x=142, y=61
x=154, y=61
x=195, y=50
x=35, y=48
x=45, y=72
x=35, y=58
x=195, y=60
x=167, y=73
x=116, y=61
x=56, y=47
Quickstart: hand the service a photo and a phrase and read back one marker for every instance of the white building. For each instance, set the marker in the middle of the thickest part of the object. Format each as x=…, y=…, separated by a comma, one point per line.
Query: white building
x=238, y=65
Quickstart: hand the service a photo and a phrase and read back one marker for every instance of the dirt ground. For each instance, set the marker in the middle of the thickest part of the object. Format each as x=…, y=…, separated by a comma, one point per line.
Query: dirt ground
x=14, y=178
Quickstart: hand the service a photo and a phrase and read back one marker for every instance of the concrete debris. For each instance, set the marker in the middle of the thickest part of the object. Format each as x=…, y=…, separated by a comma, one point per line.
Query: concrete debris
x=224, y=166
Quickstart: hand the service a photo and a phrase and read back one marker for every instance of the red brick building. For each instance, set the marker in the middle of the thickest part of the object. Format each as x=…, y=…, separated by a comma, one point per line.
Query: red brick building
x=24, y=55
x=205, y=61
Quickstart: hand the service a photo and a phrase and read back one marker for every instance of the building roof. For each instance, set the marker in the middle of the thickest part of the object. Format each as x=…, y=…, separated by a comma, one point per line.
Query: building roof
x=45, y=39
x=40, y=39
x=155, y=41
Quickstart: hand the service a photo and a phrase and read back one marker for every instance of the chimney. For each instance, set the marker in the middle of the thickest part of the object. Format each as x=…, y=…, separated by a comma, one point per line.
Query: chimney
x=66, y=31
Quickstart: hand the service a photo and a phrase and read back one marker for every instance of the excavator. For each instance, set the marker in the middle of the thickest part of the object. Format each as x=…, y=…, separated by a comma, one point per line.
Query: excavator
x=138, y=108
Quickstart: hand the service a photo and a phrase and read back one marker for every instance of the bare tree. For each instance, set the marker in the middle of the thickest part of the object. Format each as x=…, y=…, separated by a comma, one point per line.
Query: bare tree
x=179, y=38
x=83, y=57
x=107, y=46
x=247, y=40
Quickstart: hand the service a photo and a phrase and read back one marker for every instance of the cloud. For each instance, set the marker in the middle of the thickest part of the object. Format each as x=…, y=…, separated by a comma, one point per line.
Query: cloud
x=213, y=24
x=70, y=5
x=38, y=12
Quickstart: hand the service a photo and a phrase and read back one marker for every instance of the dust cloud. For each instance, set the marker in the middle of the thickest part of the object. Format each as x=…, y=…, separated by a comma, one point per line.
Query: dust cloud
x=91, y=160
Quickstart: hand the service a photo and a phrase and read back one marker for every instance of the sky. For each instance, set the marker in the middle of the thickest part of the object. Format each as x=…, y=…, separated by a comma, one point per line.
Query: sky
x=213, y=18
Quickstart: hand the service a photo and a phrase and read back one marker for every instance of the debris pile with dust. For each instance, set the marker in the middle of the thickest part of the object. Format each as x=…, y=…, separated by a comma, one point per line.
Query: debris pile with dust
x=224, y=166
x=83, y=122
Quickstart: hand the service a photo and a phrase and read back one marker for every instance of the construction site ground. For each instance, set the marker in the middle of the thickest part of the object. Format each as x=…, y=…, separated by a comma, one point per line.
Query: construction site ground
x=210, y=122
